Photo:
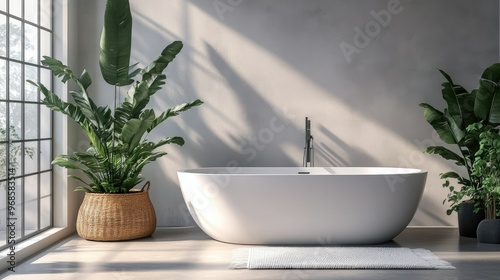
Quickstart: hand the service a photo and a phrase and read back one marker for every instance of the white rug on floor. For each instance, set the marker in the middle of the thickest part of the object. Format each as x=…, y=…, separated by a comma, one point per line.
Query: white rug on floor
x=336, y=258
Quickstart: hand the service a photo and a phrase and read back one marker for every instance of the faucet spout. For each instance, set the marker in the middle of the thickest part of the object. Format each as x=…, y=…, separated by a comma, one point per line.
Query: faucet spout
x=308, y=158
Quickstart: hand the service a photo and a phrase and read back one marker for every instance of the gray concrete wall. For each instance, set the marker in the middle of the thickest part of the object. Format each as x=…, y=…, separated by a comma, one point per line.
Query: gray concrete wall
x=357, y=68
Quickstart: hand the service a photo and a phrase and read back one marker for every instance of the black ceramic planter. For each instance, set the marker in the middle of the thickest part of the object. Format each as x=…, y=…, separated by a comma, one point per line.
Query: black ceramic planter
x=468, y=221
x=488, y=231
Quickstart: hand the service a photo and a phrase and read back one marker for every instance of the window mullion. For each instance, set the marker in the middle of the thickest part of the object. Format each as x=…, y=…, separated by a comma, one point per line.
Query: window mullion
x=39, y=125
x=7, y=114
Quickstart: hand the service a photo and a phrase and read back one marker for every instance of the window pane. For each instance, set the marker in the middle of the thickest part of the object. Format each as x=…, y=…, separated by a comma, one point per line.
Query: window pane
x=45, y=184
x=15, y=79
x=15, y=158
x=3, y=121
x=3, y=5
x=15, y=121
x=3, y=162
x=31, y=121
x=46, y=77
x=15, y=7
x=31, y=10
x=15, y=36
x=45, y=122
x=45, y=212
x=3, y=35
x=30, y=157
x=46, y=13
x=30, y=43
x=45, y=43
x=30, y=91
x=3, y=80
x=31, y=204
x=45, y=155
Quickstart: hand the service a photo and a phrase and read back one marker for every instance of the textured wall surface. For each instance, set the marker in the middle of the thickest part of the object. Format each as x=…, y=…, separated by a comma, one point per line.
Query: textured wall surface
x=357, y=69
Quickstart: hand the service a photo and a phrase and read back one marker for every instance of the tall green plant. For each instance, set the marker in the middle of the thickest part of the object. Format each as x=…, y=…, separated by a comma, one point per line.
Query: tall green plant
x=480, y=106
x=450, y=124
x=119, y=147
x=487, y=166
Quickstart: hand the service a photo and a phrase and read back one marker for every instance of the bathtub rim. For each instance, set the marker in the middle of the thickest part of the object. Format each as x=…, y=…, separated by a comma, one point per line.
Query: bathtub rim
x=216, y=171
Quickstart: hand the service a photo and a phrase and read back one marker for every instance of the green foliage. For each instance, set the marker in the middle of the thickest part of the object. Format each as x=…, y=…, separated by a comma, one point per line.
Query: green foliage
x=456, y=195
x=119, y=148
x=464, y=109
x=487, y=166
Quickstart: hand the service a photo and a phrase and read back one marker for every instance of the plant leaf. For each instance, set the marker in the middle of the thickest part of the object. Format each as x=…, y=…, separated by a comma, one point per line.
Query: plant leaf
x=445, y=153
x=134, y=129
x=85, y=79
x=458, y=133
x=167, y=55
x=174, y=112
x=152, y=78
x=116, y=42
x=122, y=115
x=439, y=122
x=487, y=103
x=451, y=174
x=86, y=106
x=171, y=140
x=83, y=189
x=55, y=103
x=66, y=162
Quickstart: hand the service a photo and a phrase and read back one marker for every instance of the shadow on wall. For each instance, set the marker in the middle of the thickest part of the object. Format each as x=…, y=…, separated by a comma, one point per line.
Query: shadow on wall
x=335, y=154
x=424, y=209
x=396, y=66
x=263, y=124
x=267, y=124
x=306, y=35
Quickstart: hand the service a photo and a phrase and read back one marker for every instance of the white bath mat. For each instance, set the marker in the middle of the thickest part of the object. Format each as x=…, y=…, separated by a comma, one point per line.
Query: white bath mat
x=336, y=258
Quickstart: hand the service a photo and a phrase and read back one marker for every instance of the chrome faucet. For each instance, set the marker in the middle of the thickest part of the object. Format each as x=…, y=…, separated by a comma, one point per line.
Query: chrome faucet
x=308, y=158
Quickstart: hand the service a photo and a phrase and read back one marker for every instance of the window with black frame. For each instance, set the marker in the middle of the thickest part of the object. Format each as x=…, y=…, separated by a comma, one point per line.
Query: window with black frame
x=25, y=125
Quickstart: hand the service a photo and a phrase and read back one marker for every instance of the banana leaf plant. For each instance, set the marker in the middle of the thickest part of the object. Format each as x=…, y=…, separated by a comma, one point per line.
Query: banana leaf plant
x=119, y=148
x=464, y=108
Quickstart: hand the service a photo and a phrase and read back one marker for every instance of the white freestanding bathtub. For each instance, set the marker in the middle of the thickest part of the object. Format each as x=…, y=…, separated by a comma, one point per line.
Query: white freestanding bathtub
x=313, y=205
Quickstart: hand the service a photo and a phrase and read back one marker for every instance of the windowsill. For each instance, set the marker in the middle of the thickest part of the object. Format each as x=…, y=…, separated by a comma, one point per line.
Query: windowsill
x=31, y=246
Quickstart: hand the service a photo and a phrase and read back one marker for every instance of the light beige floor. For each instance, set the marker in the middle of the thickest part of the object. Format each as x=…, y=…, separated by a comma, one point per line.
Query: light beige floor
x=187, y=253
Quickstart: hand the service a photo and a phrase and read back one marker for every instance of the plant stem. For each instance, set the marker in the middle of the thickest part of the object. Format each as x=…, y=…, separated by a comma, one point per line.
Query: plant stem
x=113, y=139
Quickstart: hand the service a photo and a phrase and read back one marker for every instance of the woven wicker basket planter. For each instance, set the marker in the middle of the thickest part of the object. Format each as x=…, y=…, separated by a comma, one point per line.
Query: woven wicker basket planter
x=116, y=217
